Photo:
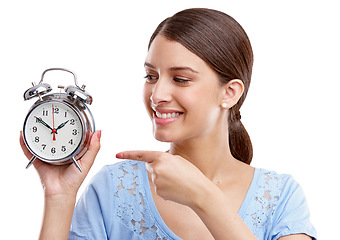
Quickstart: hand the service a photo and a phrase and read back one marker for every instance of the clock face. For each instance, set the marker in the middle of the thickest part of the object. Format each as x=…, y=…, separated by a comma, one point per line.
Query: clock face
x=53, y=131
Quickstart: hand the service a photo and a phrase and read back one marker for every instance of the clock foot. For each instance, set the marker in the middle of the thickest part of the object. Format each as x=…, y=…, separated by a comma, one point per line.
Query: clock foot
x=31, y=162
x=75, y=162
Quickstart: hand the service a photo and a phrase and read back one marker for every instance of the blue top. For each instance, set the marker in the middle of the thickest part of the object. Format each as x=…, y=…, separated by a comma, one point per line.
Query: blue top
x=118, y=204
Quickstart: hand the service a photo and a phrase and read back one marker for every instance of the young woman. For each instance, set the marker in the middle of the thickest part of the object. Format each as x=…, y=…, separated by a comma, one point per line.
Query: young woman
x=198, y=71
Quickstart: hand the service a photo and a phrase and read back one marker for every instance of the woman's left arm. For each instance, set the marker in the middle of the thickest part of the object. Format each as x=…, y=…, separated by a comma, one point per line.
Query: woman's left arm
x=196, y=191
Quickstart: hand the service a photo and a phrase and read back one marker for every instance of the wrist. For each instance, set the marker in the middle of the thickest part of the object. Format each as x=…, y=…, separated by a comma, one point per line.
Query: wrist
x=58, y=211
x=55, y=193
x=209, y=195
x=60, y=199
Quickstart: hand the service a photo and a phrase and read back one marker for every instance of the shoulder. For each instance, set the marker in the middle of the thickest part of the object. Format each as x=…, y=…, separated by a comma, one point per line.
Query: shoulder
x=126, y=168
x=107, y=206
x=278, y=205
x=112, y=182
x=265, y=194
x=273, y=183
x=122, y=167
x=118, y=176
x=273, y=191
x=279, y=189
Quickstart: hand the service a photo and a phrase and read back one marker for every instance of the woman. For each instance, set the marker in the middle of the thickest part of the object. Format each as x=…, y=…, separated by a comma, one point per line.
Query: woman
x=198, y=71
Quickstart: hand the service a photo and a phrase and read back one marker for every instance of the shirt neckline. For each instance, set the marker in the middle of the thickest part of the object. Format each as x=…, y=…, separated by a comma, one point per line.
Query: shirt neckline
x=251, y=191
x=153, y=207
x=161, y=222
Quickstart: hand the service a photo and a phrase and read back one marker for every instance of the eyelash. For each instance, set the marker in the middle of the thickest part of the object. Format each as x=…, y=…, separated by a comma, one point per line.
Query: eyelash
x=181, y=80
x=151, y=79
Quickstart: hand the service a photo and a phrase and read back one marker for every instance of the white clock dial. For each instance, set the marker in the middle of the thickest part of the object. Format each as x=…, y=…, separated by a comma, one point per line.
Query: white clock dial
x=53, y=131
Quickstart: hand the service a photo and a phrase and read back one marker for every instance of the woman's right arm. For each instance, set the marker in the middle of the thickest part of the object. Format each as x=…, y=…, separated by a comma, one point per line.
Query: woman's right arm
x=60, y=185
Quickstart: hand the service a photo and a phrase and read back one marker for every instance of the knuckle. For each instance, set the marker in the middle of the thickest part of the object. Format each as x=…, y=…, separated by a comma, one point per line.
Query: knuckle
x=139, y=156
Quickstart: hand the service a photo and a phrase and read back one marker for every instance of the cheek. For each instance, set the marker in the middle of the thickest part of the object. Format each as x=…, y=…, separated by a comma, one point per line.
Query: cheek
x=189, y=98
x=200, y=100
x=202, y=107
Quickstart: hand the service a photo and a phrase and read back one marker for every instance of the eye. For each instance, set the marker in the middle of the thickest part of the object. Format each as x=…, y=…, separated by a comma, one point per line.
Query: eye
x=150, y=78
x=181, y=80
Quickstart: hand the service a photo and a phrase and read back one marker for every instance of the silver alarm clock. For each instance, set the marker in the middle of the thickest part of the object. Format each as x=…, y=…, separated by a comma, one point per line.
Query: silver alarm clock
x=58, y=127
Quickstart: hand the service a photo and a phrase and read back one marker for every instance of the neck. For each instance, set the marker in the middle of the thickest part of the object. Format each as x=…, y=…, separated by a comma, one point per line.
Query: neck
x=211, y=156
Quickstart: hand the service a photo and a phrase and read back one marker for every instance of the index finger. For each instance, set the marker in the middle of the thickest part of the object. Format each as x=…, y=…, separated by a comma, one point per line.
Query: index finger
x=144, y=156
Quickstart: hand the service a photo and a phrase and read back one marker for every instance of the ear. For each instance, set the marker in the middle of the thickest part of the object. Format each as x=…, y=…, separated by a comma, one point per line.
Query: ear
x=232, y=92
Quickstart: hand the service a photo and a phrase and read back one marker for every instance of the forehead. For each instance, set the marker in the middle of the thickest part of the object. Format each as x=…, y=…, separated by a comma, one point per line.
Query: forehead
x=164, y=53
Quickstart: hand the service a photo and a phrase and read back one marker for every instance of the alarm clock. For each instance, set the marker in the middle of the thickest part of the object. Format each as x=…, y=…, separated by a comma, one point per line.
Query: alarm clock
x=58, y=127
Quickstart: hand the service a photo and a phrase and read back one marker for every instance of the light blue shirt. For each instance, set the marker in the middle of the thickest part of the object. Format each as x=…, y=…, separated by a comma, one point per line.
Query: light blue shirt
x=118, y=204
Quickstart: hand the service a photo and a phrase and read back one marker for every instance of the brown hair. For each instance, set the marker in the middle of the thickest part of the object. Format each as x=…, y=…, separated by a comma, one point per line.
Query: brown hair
x=222, y=43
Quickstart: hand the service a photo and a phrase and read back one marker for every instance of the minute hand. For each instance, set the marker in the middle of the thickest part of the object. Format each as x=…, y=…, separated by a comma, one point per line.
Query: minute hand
x=43, y=123
x=61, y=125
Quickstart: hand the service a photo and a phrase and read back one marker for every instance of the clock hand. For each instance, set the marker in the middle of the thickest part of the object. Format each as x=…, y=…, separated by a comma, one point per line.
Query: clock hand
x=43, y=123
x=61, y=125
x=53, y=130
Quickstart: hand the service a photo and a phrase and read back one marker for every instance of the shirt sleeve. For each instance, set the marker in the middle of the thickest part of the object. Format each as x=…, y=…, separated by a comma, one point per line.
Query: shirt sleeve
x=91, y=217
x=292, y=215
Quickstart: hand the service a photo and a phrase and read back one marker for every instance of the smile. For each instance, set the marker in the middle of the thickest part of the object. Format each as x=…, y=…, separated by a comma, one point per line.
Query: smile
x=165, y=118
x=167, y=115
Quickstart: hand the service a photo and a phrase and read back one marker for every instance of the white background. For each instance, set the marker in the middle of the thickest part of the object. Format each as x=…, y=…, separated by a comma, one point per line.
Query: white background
x=291, y=112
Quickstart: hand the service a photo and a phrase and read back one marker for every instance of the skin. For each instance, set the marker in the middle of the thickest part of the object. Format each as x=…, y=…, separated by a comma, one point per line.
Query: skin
x=197, y=186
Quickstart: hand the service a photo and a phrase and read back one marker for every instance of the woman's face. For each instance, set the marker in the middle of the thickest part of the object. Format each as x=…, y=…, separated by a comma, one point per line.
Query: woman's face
x=182, y=94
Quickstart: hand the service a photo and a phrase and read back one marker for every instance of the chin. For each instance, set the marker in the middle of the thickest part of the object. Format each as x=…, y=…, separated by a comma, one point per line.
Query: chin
x=165, y=135
x=163, y=138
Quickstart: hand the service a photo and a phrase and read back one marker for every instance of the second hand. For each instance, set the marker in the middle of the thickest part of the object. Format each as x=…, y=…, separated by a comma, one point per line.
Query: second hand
x=53, y=130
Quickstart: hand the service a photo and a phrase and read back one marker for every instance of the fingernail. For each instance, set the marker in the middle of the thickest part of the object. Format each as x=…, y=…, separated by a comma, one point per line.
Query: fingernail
x=119, y=155
x=99, y=134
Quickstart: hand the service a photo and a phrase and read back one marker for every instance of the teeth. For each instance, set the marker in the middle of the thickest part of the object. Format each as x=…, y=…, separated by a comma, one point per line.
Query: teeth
x=166, y=115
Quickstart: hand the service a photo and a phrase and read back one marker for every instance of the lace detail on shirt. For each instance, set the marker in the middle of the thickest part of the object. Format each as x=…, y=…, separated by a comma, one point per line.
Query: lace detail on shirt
x=132, y=208
x=130, y=205
x=265, y=200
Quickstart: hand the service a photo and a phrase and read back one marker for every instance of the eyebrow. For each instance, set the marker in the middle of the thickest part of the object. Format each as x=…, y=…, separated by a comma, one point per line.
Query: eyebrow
x=176, y=68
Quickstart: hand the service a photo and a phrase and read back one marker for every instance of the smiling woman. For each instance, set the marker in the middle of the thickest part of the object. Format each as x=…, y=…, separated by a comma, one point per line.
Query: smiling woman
x=224, y=46
x=198, y=71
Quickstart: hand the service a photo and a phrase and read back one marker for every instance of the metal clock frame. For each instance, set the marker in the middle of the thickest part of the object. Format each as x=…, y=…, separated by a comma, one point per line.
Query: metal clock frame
x=76, y=98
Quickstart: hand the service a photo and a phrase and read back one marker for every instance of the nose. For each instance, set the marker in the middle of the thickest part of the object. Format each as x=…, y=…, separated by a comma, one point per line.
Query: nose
x=161, y=92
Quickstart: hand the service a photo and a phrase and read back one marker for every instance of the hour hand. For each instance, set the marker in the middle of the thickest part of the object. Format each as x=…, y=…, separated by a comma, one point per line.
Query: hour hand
x=43, y=123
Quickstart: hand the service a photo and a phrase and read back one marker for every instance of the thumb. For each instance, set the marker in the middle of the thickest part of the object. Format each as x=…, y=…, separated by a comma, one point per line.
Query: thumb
x=87, y=160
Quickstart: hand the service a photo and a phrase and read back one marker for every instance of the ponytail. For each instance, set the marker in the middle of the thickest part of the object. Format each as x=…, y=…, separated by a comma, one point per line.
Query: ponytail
x=239, y=141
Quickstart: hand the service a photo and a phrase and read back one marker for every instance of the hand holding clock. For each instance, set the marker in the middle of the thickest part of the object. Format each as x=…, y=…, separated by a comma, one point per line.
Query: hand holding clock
x=65, y=179
x=78, y=144
x=61, y=184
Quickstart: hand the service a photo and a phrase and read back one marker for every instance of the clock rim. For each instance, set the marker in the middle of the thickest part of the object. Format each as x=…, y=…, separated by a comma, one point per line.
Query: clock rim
x=80, y=110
